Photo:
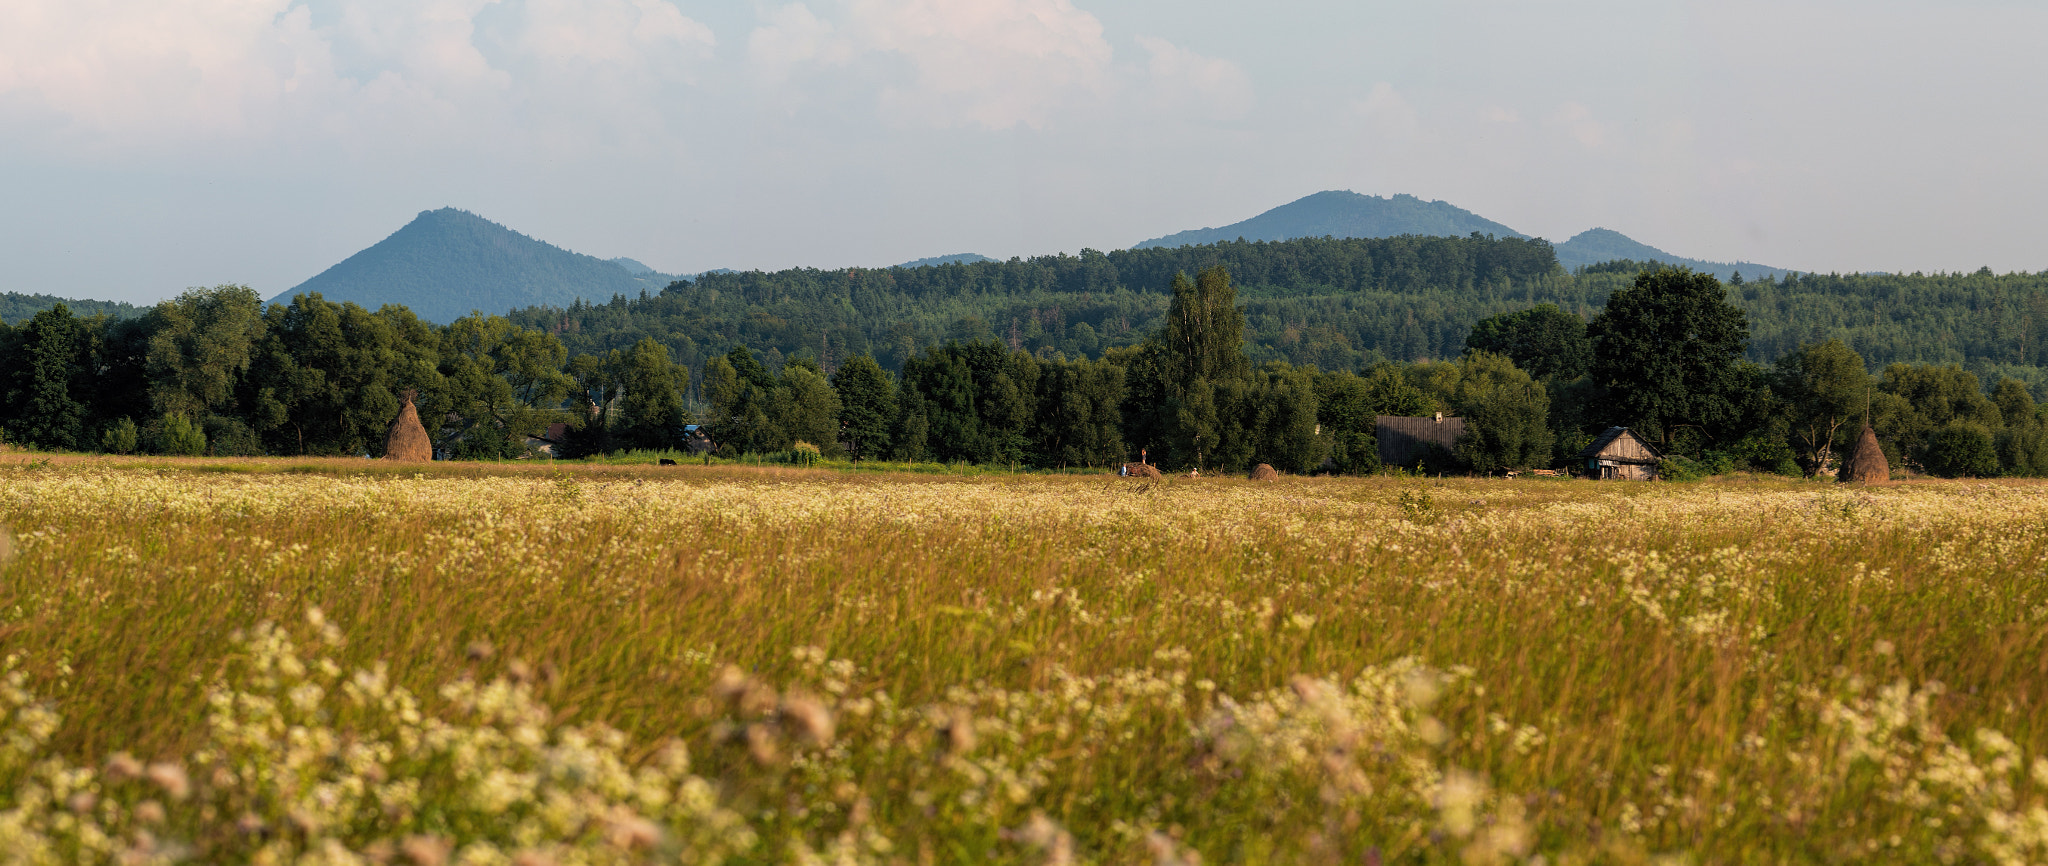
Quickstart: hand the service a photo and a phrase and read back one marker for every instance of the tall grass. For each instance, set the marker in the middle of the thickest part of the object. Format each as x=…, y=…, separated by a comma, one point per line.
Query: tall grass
x=616, y=663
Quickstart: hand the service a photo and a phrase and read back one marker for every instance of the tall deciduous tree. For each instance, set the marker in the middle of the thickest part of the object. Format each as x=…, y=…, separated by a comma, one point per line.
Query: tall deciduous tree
x=1824, y=390
x=867, y=406
x=1667, y=349
x=807, y=409
x=742, y=395
x=202, y=343
x=1078, y=422
x=505, y=382
x=651, y=408
x=1197, y=350
x=1505, y=411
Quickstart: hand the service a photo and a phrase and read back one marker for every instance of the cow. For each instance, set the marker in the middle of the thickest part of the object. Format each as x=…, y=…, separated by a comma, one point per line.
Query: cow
x=667, y=462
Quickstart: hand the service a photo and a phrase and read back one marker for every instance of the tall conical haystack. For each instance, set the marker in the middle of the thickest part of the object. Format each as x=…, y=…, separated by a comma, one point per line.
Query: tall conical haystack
x=1265, y=472
x=408, y=440
x=1866, y=462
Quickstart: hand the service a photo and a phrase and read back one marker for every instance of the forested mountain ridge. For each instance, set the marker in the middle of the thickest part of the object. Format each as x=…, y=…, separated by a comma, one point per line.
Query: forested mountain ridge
x=1337, y=304
x=1323, y=300
x=1346, y=214
x=448, y=262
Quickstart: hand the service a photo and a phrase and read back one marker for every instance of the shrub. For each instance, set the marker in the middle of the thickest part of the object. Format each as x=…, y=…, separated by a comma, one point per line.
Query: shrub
x=1960, y=449
x=176, y=435
x=121, y=437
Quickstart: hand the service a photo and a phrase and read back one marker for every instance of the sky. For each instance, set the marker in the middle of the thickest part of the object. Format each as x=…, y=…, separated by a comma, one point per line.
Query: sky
x=149, y=146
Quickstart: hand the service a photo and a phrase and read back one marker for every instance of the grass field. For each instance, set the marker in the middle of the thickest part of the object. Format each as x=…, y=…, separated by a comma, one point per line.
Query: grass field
x=344, y=661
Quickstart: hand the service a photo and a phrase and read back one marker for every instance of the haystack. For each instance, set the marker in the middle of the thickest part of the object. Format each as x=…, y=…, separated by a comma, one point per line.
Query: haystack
x=408, y=440
x=1265, y=472
x=1866, y=461
x=1140, y=470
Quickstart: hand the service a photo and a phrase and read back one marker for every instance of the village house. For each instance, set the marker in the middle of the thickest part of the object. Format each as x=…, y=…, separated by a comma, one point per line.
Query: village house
x=1619, y=453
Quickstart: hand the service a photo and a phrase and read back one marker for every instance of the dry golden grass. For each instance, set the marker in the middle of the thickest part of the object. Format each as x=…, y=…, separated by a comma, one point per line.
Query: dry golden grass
x=616, y=663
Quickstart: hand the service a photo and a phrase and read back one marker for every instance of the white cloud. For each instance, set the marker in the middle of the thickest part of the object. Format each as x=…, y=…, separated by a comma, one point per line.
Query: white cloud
x=119, y=76
x=1389, y=114
x=1180, y=76
x=995, y=64
x=632, y=34
x=1578, y=121
x=792, y=37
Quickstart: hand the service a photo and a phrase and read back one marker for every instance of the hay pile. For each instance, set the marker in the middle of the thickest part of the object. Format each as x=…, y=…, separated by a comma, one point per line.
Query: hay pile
x=1866, y=462
x=407, y=440
x=1265, y=472
x=1140, y=470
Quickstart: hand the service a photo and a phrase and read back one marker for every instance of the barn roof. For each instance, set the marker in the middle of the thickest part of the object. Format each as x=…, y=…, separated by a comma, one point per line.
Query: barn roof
x=1606, y=440
x=1402, y=441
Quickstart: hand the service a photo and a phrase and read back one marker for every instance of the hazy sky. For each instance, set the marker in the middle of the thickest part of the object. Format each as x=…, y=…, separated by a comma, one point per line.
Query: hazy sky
x=151, y=145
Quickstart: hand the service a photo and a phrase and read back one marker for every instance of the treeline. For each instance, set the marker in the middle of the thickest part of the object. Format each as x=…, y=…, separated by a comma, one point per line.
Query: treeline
x=216, y=372
x=16, y=308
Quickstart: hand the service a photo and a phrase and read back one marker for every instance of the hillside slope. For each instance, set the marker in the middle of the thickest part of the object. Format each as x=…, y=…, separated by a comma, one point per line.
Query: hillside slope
x=448, y=262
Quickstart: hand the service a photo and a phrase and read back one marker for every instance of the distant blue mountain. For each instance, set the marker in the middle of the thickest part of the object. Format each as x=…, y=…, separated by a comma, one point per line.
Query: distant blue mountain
x=448, y=262
x=1594, y=246
x=1346, y=214
x=954, y=259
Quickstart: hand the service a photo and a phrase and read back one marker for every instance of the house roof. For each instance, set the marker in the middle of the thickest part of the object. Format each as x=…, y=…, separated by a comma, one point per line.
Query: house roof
x=1606, y=441
x=1402, y=441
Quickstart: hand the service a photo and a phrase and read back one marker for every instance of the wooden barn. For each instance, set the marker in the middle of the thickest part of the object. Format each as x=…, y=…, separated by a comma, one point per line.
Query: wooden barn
x=1620, y=453
x=1408, y=441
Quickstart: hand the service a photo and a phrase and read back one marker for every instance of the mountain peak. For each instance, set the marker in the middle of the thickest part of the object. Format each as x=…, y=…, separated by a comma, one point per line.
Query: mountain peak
x=449, y=262
x=1345, y=214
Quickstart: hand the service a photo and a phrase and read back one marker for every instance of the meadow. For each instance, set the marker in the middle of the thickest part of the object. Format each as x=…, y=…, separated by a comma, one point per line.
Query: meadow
x=303, y=661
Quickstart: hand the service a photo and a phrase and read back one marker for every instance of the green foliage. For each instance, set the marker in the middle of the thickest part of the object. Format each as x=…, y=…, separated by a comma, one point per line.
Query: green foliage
x=1505, y=411
x=1190, y=373
x=1960, y=449
x=743, y=405
x=16, y=308
x=867, y=405
x=651, y=407
x=1681, y=468
x=1824, y=391
x=177, y=436
x=1666, y=349
x=808, y=408
x=51, y=371
x=326, y=377
x=498, y=375
x=1546, y=341
x=1762, y=451
x=201, y=344
x=1079, y=420
x=121, y=438
x=976, y=400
